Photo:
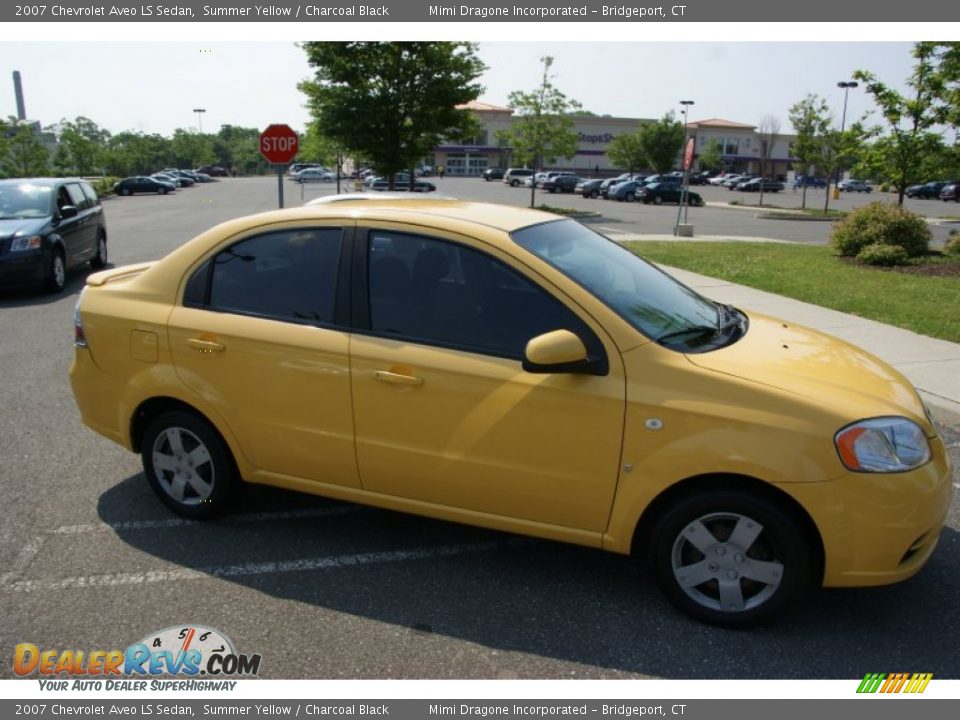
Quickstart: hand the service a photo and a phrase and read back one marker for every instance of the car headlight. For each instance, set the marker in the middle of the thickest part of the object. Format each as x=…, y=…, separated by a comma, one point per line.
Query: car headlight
x=889, y=444
x=31, y=242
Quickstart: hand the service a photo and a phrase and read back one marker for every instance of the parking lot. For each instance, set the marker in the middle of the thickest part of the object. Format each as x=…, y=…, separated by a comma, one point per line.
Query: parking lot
x=89, y=559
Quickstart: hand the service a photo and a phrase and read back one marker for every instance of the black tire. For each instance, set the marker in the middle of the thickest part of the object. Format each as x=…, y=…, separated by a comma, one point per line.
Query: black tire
x=56, y=272
x=514, y=183
x=779, y=553
x=124, y=191
x=630, y=197
x=657, y=200
x=99, y=261
x=208, y=481
x=162, y=191
x=553, y=190
x=594, y=194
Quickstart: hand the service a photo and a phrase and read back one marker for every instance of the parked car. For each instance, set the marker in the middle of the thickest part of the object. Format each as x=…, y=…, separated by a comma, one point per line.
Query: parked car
x=530, y=376
x=213, y=171
x=515, y=176
x=142, y=184
x=313, y=174
x=627, y=191
x=607, y=185
x=589, y=188
x=854, y=186
x=47, y=227
x=721, y=178
x=296, y=168
x=561, y=183
x=493, y=174
x=810, y=181
x=732, y=182
x=671, y=178
x=753, y=185
x=926, y=191
x=951, y=191
x=187, y=178
x=659, y=193
x=175, y=180
x=418, y=186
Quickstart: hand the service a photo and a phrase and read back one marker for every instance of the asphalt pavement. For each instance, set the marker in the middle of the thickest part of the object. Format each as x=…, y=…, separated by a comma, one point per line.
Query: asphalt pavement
x=89, y=559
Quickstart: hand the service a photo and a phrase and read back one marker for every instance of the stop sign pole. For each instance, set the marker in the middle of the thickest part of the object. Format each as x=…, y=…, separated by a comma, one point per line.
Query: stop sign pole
x=278, y=146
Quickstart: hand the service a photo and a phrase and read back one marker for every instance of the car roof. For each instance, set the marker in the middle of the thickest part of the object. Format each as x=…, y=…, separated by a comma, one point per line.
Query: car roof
x=45, y=182
x=444, y=211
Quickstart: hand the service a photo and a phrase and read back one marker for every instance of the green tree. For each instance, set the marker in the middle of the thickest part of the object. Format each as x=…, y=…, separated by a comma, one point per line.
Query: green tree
x=130, y=153
x=711, y=157
x=899, y=157
x=190, y=149
x=811, y=120
x=768, y=130
x=24, y=155
x=626, y=151
x=542, y=129
x=661, y=142
x=82, y=143
x=392, y=102
x=239, y=147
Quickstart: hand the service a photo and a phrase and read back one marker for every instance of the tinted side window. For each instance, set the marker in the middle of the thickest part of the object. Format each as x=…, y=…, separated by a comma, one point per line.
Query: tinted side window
x=442, y=293
x=288, y=275
x=77, y=197
x=91, y=194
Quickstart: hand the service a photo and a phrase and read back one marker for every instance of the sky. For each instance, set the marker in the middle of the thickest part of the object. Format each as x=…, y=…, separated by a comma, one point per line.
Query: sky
x=154, y=87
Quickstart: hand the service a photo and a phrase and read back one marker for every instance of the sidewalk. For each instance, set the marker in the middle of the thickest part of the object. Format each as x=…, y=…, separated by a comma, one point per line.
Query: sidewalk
x=932, y=365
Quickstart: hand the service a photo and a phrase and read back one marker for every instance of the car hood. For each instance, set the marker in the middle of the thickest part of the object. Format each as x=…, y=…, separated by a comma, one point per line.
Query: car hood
x=823, y=369
x=21, y=226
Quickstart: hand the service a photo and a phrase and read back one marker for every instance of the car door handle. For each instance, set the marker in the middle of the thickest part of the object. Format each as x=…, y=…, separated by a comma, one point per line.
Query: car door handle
x=398, y=379
x=205, y=346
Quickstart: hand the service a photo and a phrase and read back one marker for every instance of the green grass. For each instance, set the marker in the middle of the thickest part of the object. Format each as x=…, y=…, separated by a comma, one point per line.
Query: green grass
x=927, y=305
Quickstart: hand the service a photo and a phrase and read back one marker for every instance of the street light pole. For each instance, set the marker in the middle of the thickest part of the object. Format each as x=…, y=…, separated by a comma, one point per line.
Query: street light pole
x=843, y=118
x=686, y=171
x=199, y=112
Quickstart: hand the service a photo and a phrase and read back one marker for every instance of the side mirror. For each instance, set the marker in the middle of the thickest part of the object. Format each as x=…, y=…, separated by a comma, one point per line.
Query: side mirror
x=559, y=351
x=68, y=211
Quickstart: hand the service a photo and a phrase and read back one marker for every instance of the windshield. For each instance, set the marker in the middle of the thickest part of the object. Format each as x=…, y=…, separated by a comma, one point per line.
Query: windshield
x=25, y=201
x=653, y=302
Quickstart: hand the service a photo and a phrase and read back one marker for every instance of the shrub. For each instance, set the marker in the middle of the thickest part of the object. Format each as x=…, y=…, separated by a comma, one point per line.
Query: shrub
x=884, y=187
x=952, y=248
x=880, y=254
x=883, y=224
x=104, y=186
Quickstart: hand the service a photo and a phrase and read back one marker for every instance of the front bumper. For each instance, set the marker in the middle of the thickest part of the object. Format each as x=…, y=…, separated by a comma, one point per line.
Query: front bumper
x=879, y=529
x=21, y=269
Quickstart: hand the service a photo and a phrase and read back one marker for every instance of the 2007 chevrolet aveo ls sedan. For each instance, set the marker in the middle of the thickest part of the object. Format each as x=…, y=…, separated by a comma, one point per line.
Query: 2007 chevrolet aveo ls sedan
x=506, y=368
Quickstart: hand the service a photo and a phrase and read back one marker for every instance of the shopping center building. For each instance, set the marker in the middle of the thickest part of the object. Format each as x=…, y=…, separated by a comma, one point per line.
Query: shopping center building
x=739, y=142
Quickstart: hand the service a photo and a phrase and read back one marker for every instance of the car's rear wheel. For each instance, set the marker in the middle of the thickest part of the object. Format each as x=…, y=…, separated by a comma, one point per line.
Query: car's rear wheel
x=657, y=200
x=188, y=465
x=124, y=191
x=595, y=194
x=630, y=197
x=56, y=272
x=99, y=260
x=730, y=558
x=162, y=191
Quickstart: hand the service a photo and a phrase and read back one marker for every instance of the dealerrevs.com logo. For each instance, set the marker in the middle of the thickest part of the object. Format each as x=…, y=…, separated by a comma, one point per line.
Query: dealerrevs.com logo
x=894, y=682
x=184, y=651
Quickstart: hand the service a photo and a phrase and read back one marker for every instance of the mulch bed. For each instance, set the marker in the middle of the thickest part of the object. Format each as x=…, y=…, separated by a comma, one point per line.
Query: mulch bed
x=938, y=267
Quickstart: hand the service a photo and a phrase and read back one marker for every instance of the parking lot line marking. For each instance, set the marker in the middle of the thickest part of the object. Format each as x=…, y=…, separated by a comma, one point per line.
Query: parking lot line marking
x=22, y=561
x=182, y=522
x=251, y=569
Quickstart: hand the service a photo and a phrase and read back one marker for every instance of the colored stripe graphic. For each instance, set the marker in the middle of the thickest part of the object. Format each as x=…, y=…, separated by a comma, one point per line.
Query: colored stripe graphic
x=894, y=682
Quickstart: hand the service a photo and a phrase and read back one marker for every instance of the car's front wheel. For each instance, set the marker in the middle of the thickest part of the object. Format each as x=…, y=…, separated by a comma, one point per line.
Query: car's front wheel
x=630, y=197
x=188, y=465
x=657, y=200
x=730, y=558
x=56, y=272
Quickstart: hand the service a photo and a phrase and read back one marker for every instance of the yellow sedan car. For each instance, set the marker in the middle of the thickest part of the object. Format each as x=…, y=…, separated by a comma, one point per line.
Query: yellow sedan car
x=511, y=369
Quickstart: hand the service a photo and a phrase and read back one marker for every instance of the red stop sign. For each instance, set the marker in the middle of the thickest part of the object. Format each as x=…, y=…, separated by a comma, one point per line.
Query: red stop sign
x=279, y=144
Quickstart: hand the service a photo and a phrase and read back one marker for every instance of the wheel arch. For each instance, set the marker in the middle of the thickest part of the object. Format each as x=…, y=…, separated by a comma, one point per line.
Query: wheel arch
x=712, y=482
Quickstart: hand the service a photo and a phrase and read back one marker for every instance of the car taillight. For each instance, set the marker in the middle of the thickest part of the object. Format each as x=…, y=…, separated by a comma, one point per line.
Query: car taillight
x=79, y=337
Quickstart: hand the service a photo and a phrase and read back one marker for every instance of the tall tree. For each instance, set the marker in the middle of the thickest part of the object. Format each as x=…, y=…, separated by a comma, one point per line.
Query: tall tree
x=626, y=151
x=661, y=142
x=82, y=143
x=768, y=130
x=392, y=102
x=24, y=155
x=711, y=157
x=911, y=121
x=811, y=120
x=542, y=129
